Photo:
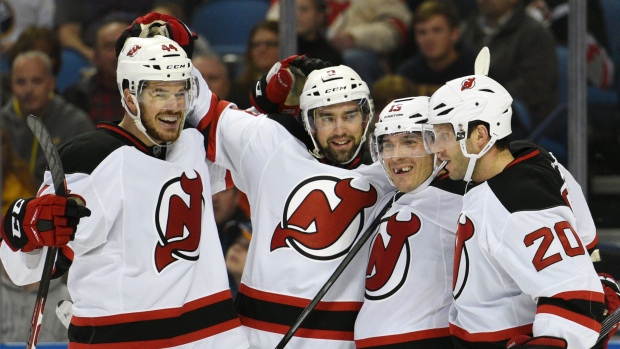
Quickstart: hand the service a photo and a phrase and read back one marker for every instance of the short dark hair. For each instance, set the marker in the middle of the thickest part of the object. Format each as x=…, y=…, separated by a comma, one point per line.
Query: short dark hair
x=501, y=144
x=431, y=8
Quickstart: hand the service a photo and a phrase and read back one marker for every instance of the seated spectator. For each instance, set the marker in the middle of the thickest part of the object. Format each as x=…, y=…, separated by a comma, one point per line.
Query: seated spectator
x=19, y=15
x=235, y=259
x=34, y=38
x=261, y=53
x=440, y=56
x=32, y=85
x=389, y=88
x=215, y=72
x=366, y=32
x=523, y=57
x=79, y=20
x=97, y=94
x=311, y=26
x=229, y=217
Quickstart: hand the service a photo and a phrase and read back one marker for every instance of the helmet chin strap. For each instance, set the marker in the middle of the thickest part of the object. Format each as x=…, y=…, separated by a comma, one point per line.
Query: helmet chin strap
x=474, y=157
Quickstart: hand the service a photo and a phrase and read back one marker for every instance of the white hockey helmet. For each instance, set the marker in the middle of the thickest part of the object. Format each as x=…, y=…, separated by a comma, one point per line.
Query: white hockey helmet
x=401, y=116
x=334, y=85
x=152, y=59
x=472, y=98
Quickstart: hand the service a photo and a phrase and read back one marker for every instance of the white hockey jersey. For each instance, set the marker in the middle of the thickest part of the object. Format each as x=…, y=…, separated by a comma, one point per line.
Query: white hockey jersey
x=305, y=217
x=520, y=265
x=148, y=269
x=409, y=270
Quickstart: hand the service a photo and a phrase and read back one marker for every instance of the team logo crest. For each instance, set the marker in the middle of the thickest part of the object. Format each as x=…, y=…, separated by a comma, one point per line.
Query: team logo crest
x=132, y=51
x=178, y=219
x=467, y=84
x=322, y=217
x=464, y=232
x=390, y=256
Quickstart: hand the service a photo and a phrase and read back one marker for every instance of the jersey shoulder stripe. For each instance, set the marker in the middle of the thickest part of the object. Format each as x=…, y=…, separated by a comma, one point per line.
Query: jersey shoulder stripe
x=444, y=183
x=529, y=183
x=85, y=152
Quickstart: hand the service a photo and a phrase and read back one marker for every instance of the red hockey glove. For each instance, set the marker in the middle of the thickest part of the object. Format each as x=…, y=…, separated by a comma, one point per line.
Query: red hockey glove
x=159, y=24
x=278, y=91
x=612, y=301
x=527, y=342
x=48, y=220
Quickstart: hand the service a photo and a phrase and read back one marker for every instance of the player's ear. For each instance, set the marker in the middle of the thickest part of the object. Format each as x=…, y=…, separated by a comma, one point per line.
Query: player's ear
x=480, y=136
x=130, y=101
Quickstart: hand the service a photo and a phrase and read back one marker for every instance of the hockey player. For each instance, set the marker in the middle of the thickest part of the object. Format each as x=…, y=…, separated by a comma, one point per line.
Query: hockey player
x=147, y=266
x=522, y=275
x=414, y=242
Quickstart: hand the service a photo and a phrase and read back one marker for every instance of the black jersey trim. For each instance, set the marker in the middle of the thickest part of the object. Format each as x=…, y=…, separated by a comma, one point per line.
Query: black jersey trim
x=188, y=322
x=434, y=343
x=591, y=309
x=444, y=183
x=284, y=314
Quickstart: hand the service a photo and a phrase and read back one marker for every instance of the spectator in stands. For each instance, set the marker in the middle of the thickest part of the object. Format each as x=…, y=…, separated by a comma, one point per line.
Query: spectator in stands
x=389, y=88
x=79, y=20
x=229, y=217
x=32, y=85
x=366, y=32
x=523, y=57
x=34, y=38
x=441, y=57
x=235, y=259
x=97, y=94
x=311, y=26
x=215, y=72
x=19, y=15
x=261, y=53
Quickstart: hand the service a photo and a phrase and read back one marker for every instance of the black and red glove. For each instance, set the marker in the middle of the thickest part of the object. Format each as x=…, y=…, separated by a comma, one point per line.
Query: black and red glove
x=155, y=23
x=278, y=91
x=612, y=302
x=543, y=342
x=48, y=220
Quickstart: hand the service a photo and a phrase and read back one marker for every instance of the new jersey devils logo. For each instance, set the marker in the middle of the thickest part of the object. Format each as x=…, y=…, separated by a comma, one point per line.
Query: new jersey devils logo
x=178, y=220
x=390, y=256
x=322, y=217
x=464, y=232
x=469, y=83
x=133, y=50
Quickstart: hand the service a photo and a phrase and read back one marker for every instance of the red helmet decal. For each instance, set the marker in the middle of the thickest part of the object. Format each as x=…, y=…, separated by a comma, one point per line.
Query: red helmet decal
x=132, y=51
x=469, y=83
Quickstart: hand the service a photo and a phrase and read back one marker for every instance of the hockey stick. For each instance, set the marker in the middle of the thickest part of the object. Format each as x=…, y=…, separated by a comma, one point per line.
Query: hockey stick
x=328, y=284
x=483, y=60
x=60, y=187
x=608, y=324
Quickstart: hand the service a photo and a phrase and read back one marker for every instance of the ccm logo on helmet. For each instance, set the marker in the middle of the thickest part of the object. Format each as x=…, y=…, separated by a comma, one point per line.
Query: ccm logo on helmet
x=335, y=89
x=176, y=66
x=469, y=83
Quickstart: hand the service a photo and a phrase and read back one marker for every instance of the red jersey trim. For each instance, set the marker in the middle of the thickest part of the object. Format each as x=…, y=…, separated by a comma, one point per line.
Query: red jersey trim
x=582, y=320
x=301, y=332
x=164, y=343
x=208, y=125
x=490, y=336
x=402, y=338
x=581, y=295
x=298, y=302
x=151, y=315
x=523, y=158
x=133, y=139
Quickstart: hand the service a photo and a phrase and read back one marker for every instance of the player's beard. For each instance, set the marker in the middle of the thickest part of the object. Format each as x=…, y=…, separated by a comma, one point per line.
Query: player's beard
x=157, y=135
x=340, y=156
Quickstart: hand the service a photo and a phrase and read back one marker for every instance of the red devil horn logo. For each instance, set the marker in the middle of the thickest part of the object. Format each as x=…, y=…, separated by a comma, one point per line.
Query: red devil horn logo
x=469, y=83
x=132, y=51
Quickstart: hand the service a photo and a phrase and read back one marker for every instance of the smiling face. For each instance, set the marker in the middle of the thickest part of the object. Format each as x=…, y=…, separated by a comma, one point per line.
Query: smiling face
x=162, y=107
x=447, y=148
x=339, y=130
x=405, y=159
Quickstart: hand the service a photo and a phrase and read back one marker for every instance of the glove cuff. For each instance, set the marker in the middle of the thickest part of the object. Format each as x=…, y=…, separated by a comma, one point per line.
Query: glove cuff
x=12, y=227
